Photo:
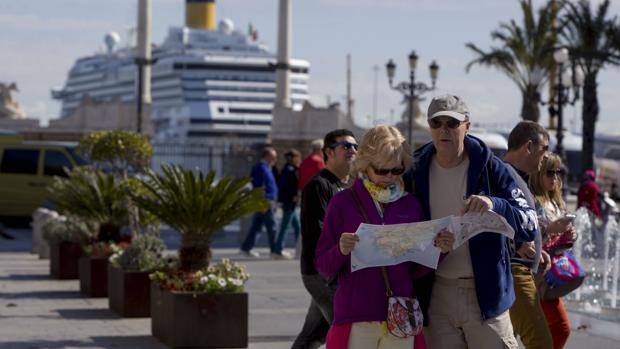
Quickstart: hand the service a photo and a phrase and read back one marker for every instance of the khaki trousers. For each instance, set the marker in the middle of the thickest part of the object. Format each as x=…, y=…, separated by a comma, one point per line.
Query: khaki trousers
x=526, y=314
x=374, y=335
x=455, y=321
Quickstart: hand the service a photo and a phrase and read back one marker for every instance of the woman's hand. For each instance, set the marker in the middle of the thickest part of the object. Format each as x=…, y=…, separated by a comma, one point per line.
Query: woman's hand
x=527, y=250
x=571, y=234
x=347, y=243
x=559, y=226
x=444, y=241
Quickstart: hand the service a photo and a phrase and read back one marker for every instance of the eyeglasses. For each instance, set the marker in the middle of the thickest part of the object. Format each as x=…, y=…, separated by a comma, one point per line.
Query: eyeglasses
x=551, y=173
x=384, y=171
x=346, y=145
x=451, y=123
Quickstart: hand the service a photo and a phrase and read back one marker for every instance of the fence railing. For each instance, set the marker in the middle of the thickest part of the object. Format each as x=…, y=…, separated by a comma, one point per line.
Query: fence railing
x=234, y=159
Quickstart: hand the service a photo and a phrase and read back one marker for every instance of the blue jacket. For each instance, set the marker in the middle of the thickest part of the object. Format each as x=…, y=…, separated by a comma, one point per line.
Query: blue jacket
x=262, y=176
x=490, y=256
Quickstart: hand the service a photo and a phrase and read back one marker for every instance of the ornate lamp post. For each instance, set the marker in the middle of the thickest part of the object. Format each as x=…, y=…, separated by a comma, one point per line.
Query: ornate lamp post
x=567, y=78
x=411, y=90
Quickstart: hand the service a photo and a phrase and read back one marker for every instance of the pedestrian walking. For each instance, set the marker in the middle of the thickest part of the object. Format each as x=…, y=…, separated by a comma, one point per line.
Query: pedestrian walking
x=587, y=196
x=467, y=298
x=378, y=196
x=528, y=146
x=312, y=164
x=339, y=149
x=262, y=176
x=288, y=196
x=557, y=233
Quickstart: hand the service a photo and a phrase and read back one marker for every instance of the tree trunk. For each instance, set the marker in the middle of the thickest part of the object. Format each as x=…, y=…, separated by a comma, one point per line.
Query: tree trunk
x=589, y=117
x=195, y=252
x=529, y=108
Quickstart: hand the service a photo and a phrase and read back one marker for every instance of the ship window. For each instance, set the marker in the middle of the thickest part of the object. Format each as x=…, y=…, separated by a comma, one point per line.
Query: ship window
x=22, y=161
x=220, y=109
x=55, y=162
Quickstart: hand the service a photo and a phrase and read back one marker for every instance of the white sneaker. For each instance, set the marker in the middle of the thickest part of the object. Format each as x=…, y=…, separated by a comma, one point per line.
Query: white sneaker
x=283, y=255
x=250, y=253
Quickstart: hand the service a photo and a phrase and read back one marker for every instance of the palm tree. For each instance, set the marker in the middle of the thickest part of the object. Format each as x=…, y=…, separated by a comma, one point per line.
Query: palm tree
x=525, y=54
x=93, y=196
x=594, y=41
x=197, y=206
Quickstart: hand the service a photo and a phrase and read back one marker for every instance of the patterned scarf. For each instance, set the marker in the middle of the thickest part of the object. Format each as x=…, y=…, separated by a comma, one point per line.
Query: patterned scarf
x=392, y=193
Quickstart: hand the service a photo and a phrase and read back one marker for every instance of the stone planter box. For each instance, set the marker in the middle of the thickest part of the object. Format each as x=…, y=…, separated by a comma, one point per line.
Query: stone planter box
x=129, y=293
x=94, y=276
x=199, y=320
x=64, y=257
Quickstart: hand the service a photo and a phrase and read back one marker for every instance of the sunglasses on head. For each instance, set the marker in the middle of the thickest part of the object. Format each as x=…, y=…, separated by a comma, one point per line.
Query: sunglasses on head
x=346, y=145
x=450, y=123
x=551, y=173
x=384, y=171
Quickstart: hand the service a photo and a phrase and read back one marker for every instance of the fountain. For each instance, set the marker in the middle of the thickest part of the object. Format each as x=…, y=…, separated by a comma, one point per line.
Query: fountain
x=597, y=251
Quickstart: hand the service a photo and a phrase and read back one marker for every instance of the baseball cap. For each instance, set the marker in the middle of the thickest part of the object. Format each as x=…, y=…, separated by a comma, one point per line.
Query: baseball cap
x=448, y=105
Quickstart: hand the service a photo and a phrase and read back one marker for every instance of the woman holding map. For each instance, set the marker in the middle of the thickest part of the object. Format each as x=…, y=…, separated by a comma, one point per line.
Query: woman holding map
x=546, y=185
x=376, y=197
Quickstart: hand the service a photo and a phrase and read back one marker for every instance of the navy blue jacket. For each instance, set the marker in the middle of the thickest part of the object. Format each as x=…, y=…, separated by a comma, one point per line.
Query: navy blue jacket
x=490, y=257
x=288, y=183
x=262, y=176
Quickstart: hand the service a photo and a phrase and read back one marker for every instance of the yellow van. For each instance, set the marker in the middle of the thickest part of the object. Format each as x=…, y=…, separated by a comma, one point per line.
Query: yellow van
x=27, y=168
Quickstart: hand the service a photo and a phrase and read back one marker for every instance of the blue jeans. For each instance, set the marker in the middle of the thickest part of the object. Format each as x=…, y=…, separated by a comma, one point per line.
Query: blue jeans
x=288, y=217
x=258, y=220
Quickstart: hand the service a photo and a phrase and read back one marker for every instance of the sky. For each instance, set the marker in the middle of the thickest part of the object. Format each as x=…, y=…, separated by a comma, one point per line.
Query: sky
x=41, y=39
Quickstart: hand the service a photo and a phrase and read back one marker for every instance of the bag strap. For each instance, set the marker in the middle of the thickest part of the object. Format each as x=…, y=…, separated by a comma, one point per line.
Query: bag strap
x=386, y=281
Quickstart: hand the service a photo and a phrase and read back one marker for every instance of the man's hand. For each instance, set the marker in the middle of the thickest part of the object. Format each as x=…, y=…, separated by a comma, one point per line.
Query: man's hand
x=527, y=250
x=444, y=241
x=347, y=243
x=477, y=203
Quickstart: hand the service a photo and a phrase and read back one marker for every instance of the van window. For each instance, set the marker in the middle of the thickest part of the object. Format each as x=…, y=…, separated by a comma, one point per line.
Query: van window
x=54, y=163
x=22, y=161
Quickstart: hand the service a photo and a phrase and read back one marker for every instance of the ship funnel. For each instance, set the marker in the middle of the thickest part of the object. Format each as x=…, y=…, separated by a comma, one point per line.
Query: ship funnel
x=200, y=14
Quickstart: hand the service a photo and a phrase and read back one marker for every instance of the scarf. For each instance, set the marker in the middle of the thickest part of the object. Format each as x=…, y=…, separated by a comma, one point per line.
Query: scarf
x=386, y=195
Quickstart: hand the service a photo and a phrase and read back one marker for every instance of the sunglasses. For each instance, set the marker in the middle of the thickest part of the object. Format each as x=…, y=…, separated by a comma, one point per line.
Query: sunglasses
x=551, y=173
x=384, y=171
x=450, y=123
x=346, y=145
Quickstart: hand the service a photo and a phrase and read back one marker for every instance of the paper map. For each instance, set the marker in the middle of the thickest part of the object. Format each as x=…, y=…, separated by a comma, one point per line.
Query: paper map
x=381, y=245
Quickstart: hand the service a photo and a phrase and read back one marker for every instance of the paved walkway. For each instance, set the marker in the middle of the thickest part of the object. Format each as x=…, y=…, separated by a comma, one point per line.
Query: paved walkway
x=39, y=312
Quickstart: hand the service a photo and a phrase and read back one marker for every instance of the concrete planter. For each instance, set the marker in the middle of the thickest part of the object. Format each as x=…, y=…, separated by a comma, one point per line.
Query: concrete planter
x=129, y=293
x=64, y=257
x=199, y=320
x=94, y=276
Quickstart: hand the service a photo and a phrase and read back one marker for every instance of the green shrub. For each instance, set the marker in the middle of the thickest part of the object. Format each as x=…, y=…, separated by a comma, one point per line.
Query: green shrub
x=143, y=254
x=68, y=229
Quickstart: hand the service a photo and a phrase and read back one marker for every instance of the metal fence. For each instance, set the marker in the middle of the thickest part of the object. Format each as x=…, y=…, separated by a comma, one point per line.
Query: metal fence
x=234, y=159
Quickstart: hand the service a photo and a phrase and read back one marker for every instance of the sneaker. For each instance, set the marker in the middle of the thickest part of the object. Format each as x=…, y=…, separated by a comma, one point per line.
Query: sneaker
x=283, y=255
x=250, y=253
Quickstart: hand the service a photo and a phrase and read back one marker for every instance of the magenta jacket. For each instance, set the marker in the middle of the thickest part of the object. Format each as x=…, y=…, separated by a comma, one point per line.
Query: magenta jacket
x=360, y=296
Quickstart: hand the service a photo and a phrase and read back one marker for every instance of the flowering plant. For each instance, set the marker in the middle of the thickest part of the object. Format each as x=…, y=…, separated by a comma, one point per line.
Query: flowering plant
x=224, y=277
x=103, y=248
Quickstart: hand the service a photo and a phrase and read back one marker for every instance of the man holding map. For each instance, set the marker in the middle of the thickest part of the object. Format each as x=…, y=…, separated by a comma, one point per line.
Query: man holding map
x=468, y=297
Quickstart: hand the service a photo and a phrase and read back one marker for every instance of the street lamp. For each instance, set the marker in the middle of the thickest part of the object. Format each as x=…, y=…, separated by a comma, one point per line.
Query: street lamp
x=411, y=90
x=567, y=78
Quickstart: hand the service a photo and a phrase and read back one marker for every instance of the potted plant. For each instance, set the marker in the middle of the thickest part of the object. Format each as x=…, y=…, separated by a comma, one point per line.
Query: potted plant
x=129, y=286
x=98, y=198
x=65, y=235
x=188, y=308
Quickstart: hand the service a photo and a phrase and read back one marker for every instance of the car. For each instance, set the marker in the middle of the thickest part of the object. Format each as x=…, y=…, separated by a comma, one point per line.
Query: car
x=27, y=168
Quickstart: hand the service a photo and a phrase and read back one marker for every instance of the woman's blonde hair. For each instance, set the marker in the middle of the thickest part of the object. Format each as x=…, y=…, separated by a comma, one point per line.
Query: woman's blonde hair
x=551, y=162
x=381, y=145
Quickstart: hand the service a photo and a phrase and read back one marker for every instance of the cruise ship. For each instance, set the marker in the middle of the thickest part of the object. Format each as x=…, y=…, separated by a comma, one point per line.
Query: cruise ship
x=207, y=82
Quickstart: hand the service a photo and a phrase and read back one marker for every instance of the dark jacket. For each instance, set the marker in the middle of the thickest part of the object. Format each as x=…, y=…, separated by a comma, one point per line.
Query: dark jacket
x=314, y=199
x=287, y=187
x=490, y=257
